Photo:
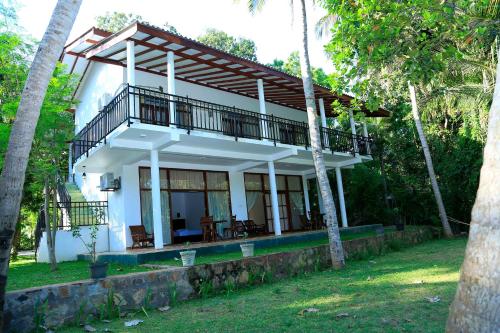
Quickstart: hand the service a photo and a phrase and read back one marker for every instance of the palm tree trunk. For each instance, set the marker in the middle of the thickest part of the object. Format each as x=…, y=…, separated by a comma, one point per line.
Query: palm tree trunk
x=336, y=250
x=23, y=129
x=476, y=307
x=428, y=162
x=48, y=225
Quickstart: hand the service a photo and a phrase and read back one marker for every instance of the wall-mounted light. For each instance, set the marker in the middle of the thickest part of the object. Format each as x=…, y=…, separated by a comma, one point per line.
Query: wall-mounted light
x=84, y=175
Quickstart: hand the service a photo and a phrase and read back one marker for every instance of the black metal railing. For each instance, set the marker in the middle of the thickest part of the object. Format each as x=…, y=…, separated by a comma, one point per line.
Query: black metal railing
x=82, y=213
x=150, y=106
x=62, y=191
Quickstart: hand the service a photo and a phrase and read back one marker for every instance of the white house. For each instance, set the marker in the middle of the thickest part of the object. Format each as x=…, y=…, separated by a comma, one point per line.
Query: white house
x=178, y=130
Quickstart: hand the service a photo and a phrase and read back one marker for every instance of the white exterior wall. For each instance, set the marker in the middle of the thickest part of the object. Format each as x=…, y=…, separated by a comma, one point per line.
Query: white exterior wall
x=68, y=247
x=195, y=91
x=98, y=88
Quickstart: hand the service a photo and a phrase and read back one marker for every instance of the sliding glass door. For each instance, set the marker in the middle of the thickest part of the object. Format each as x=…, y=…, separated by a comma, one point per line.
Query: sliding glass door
x=290, y=200
x=211, y=185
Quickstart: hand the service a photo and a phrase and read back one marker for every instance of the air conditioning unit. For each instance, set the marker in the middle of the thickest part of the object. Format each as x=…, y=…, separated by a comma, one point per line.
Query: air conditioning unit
x=109, y=183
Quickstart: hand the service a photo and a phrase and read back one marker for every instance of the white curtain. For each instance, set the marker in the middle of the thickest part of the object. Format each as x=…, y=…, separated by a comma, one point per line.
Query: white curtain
x=147, y=213
x=218, y=207
x=252, y=199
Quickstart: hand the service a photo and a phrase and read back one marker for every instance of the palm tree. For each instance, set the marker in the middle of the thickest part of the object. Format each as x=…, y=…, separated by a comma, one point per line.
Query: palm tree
x=336, y=250
x=428, y=162
x=23, y=129
x=477, y=301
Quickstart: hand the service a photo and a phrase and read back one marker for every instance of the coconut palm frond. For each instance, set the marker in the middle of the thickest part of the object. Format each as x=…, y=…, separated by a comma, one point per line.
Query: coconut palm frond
x=255, y=6
x=324, y=25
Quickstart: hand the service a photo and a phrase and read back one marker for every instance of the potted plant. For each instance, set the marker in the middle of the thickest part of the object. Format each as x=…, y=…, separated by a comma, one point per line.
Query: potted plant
x=188, y=256
x=247, y=248
x=98, y=270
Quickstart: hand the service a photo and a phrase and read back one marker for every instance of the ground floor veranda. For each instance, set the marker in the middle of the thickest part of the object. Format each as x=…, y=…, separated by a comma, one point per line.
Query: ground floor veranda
x=170, y=179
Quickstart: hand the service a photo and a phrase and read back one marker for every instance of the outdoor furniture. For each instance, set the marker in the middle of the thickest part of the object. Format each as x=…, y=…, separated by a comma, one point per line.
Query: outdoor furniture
x=208, y=228
x=140, y=237
x=316, y=220
x=254, y=229
x=305, y=223
x=236, y=229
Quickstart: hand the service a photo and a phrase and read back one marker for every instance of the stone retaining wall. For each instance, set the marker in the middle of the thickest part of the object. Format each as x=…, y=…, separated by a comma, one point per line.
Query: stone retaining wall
x=68, y=303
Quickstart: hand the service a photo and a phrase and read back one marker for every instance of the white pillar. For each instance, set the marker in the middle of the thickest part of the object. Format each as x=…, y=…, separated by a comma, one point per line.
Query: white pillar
x=340, y=189
x=353, y=131
x=322, y=112
x=262, y=100
x=130, y=63
x=171, y=83
x=156, y=199
x=262, y=109
x=274, y=199
x=365, y=134
x=306, y=196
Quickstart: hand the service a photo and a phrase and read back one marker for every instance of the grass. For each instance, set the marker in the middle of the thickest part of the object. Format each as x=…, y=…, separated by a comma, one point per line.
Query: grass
x=218, y=257
x=385, y=294
x=26, y=273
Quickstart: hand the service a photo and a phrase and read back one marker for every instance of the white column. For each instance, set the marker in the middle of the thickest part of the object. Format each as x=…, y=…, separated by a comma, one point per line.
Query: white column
x=171, y=83
x=320, y=199
x=274, y=199
x=340, y=190
x=131, y=76
x=156, y=198
x=262, y=108
x=306, y=196
x=365, y=134
x=130, y=63
x=322, y=112
x=353, y=130
x=262, y=100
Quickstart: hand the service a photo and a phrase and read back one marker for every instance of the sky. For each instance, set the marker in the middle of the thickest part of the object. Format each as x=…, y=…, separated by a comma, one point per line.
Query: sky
x=271, y=29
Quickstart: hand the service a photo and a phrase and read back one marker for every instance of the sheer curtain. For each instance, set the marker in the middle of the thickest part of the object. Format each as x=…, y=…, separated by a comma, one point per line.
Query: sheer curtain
x=297, y=201
x=252, y=199
x=147, y=211
x=218, y=207
x=165, y=216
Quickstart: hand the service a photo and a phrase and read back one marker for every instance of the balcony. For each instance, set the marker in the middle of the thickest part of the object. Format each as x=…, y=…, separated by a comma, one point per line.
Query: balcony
x=147, y=106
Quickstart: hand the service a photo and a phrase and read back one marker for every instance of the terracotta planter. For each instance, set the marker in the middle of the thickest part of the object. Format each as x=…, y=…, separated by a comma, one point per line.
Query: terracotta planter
x=247, y=249
x=188, y=257
x=98, y=270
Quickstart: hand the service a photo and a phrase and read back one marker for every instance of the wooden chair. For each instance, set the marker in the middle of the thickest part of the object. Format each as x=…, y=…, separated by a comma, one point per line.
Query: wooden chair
x=207, y=226
x=254, y=229
x=305, y=223
x=140, y=237
x=231, y=230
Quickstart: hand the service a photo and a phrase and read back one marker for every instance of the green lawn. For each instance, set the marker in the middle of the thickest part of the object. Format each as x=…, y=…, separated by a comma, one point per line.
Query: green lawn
x=26, y=273
x=211, y=258
x=385, y=294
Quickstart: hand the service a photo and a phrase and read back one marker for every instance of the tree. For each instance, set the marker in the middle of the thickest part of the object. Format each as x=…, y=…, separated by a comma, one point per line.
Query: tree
x=116, y=21
x=336, y=250
x=240, y=47
x=375, y=44
x=292, y=67
x=23, y=128
x=477, y=301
